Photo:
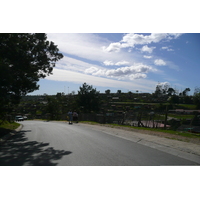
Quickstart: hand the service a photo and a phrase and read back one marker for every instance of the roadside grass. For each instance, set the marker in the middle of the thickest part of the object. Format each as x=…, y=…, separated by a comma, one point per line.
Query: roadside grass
x=181, y=116
x=180, y=133
x=187, y=106
x=89, y=122
x=6, y=127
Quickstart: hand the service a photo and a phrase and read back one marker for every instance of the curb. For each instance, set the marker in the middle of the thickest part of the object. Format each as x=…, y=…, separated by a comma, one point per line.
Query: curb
x=9, y=135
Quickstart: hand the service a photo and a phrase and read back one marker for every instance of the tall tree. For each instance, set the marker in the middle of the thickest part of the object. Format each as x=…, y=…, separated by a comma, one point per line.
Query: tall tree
x=158, y=91
x=24, y=59
x=196, y=97
x=185, y=92
x=88, y=98
x=171, y=91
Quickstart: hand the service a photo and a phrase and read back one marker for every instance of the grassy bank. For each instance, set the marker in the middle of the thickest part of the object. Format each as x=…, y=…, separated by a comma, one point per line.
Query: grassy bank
x=6, y=127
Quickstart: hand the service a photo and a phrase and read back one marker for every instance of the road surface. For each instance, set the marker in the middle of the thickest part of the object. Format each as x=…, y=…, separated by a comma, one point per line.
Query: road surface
x=41, y=143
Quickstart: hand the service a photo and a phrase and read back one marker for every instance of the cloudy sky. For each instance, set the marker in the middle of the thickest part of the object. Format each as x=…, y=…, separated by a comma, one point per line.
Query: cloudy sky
x=124, y=61
x=117, y=46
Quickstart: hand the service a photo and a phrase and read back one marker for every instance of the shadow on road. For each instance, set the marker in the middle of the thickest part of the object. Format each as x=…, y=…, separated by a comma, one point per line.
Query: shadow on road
x=17, y=151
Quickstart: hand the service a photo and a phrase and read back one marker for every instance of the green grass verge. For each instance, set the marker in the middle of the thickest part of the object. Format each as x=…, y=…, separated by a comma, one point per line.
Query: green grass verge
x=7, y=127
x=89, y=122
x=187, y=106
x=181, y=133
x=181, y=116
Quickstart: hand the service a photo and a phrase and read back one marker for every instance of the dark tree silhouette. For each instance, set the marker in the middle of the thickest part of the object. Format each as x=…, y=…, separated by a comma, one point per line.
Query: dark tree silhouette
x=24, y=59
x=88, y=98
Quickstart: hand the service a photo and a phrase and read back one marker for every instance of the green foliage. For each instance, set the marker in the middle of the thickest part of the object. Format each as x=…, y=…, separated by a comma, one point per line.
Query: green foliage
x=174, y=99
x=197, y=97
x=107, y=91
x=53, y=108
x=171, y=91
x=185, y=92
x=88, y=98
x=163, y=89
x=174, y=124
x=6, y=127
x=185, y=106
x=196, y=120
x=24, y=59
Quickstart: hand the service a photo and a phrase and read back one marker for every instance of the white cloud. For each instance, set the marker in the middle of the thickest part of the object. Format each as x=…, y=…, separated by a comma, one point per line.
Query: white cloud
x=91, y=70
x=76, y=77
x=175, y=35
x=84, y=60
x=170, y=64
x=159, y=62
x=78, y=44
x=79, y=78
x=135, y=71
x=137, y=76
x=113, y=47
x=87, y=46
x=148, y=57
x=132, y=39
x=147, y=49
x=122, y=63
x=108, y=63
x=72, y=64
x=128, y=70
x=163, y=83
x=167, y=48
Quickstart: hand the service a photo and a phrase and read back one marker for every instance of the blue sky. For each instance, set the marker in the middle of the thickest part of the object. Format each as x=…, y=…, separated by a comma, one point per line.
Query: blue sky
x=124, y=61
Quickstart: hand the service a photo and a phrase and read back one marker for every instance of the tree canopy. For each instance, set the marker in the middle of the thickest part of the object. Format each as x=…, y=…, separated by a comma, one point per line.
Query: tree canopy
x=24, y=59
x=197, y=97
x=88, y=98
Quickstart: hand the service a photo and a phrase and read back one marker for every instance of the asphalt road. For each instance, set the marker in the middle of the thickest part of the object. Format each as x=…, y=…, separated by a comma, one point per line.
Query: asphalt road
x=41, y=143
